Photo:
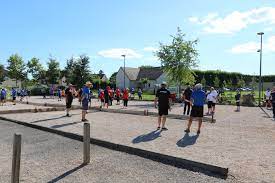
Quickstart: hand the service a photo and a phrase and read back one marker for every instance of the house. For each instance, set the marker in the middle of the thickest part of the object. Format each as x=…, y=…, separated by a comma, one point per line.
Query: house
x=12, y=83
x=102, y=77
x=134, y=77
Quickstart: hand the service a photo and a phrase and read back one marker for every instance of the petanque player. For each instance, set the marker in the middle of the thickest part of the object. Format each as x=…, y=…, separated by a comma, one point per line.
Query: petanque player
x=13, y=94
x=69, y=99
x=59, y=94
x=3, y=96
x=238, y=100
x=267, y=98
x=212, y=100
x=273, y=101
x=106, y=97
x=125, y=97
x=163, y=98
x=118, y=96
x=85, y=100
x=197, y=102
x=186, y=97
x=101, y=97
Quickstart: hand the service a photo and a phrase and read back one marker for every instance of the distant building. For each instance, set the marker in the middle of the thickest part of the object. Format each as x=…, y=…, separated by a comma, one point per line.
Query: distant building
x=12, y=83
x=102, y=77
x=134, y=76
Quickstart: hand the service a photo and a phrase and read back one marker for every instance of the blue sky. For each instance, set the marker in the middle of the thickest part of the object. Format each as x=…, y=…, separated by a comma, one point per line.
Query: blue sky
x=105, y=29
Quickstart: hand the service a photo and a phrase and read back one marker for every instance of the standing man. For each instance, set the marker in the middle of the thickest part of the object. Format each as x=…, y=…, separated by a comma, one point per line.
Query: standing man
x=59, y=94
x=186, y=97
x=118, y=96
x=238, y=100
x=164, y=100
x=139, y=94
x=273, y=101
x=125, y=97
x=267, y=98
x=212, y=100
x=69, y=99
x=13, y=94
x=197, y=102
x=85, y=100
x=106, y=97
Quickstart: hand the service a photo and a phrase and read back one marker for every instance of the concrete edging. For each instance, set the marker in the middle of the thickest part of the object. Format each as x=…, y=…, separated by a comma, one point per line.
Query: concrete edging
x=207, y=169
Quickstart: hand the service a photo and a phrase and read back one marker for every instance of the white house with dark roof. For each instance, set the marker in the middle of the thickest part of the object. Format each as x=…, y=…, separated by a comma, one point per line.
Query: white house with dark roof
x=134, y=76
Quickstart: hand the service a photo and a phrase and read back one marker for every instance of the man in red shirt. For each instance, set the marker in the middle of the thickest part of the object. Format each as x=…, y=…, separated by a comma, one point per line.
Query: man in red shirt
x=125, y=97
x=101, y=97
x=117, y=96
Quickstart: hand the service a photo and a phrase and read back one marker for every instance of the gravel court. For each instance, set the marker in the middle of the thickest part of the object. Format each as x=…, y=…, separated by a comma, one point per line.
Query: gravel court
x=244, y=141
x=51, y=158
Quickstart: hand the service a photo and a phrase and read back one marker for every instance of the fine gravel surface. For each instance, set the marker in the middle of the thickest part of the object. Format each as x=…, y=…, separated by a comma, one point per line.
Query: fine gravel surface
x=51, y=158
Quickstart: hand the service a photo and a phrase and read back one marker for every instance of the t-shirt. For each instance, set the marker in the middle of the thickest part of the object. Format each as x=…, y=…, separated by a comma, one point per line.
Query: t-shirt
x=125, y=95
x=59, y=92
x=273, y=97
x=3, y=93
x=163, y=96
x=267, y=94
x=106, y=93
x=69, y=93
x=85, y=92
x=212, y=96
x=117, y=93
x=13, y=93
x=238, y=97
x=187, y=93
x=198, y=97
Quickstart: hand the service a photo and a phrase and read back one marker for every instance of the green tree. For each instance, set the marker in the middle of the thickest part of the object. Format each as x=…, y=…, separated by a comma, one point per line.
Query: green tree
x=81, y=71
x=113, y=78
x=216, y=82
x=68, y=70
x=144, y=81
x=2, y=73
x=53, y=72
x=240, y=83
x=178, y=58
x=35, y=68
x=16, y=68
x=253, y=83
x=203, y=82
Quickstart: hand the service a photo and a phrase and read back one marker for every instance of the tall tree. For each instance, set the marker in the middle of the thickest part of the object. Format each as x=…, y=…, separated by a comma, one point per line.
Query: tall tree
x=16, y=68
x=81, y=71
x=35, y=68
x=68, y=70
x=253, y=83
x=53, y=72
x=240, y=83
x=100, y=72
x=113, y=78
x=178, y=58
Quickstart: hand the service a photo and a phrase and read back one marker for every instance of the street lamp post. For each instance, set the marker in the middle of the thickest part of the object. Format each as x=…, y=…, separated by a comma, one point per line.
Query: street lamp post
x=260, y=78
x=124, y=71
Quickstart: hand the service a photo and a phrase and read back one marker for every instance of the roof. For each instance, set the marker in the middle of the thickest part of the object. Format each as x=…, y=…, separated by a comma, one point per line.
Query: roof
x=99, y=75
x=152, y=73
x=132, y=73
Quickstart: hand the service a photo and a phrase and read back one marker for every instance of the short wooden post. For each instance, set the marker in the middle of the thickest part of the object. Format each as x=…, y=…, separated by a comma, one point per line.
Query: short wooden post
x=16, y=156
x=86, y=143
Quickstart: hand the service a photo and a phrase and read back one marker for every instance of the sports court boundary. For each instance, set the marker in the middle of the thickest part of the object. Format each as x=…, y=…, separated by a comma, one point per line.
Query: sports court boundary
x=210, y=170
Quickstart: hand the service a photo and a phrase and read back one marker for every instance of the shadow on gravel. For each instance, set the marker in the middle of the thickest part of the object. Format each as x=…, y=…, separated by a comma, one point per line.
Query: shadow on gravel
x=66, y=173
x=147, y=137
x=187, y=140
x=65, y=124
x=49, y=119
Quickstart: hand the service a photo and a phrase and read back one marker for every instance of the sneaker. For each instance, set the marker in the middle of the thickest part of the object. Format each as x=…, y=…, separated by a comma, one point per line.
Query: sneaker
x=84, y=120
x=187, y=131
x=164, y=128
x=198, y=132
x=158, y=128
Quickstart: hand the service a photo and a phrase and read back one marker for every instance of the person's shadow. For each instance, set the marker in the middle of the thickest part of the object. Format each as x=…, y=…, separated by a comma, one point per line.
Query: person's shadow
x=187, y=140
x=147, y=137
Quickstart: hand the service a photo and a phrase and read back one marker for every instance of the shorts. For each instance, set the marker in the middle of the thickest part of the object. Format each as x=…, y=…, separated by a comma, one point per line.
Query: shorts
x=211, y=104
x=69, y=104
x=13, y=98
x=117, y=98
x=102, y=100
x=197, y=111
x=163, y=111
x=106, y=100
x=238, y=104
x=85, y=104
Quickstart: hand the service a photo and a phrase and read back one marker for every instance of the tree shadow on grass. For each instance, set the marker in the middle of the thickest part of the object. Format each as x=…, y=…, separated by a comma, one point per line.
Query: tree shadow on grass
x=187, y=140
x=147, y=137
x=67, y=173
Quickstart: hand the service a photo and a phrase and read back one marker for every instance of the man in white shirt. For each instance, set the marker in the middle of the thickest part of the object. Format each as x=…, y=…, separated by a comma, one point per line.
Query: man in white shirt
x=212, y=98
x=267, y=98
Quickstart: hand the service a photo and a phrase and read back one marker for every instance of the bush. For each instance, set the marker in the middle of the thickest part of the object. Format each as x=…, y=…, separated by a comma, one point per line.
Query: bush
x=35, y=91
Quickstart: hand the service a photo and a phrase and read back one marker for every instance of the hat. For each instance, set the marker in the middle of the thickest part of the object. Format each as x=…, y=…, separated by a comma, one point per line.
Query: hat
x=163, y=83
x=88, y=83
x=70, y=84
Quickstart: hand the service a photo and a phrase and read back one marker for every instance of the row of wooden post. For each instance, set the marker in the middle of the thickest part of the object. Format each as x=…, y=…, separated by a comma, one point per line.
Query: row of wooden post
x=16, y=156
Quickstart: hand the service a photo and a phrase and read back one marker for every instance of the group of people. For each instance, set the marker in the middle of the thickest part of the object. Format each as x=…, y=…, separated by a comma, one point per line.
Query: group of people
x=13, y=94
x=108, y=95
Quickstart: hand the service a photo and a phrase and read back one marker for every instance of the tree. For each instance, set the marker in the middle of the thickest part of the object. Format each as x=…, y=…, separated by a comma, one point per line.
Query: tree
x=35, y=68
x=203, y=82
x=2, y=73
x=53, y=72
x=16, y=68
x=81, y=71
x=113, y=78
x=253, y=83
x=68, y=70
x=216, y=82
x=240, y=83
x=100, y=72
x=178, y=58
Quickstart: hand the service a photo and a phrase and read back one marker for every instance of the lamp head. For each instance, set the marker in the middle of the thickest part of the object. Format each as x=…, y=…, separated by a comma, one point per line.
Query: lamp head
x=260, y=33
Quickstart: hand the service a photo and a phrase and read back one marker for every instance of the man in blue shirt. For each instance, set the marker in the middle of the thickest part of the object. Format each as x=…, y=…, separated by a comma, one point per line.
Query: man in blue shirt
x=85, y=100
x=3, y=96
x=197, y=102
x=13, y=94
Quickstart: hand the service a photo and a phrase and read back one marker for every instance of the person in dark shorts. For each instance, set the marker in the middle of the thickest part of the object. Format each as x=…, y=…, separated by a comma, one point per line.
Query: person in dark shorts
x=273, y=101
x=125, y=97
x=238, y=100
x=118, y=96
x=59, y=94
x=197, y=102
x=85, y=100
x=186, y=97
x=3, y=96
x=13, y=94
x=69, y=99
x=163, y=97
x=106, y=97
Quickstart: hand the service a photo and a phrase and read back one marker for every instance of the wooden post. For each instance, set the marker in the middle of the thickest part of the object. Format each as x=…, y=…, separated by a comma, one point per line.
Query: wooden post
x=86, y=144
x=16, y=156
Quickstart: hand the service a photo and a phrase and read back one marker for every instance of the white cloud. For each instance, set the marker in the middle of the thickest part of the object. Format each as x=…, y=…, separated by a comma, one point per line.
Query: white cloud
x=235, y=21
x=252, y=47
x=117, y=52
x=150, y=49
x=268, y=29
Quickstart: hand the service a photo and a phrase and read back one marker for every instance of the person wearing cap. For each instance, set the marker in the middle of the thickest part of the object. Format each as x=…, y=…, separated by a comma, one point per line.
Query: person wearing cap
x=267, y=98
x=85, y=100
x=197, y=103
x=69, y=99
x=272, y=96
x=163, y=98
x=238, y=100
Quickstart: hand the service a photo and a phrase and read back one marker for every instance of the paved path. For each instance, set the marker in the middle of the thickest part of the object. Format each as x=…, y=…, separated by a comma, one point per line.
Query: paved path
x=51, y=158
x=243, y=142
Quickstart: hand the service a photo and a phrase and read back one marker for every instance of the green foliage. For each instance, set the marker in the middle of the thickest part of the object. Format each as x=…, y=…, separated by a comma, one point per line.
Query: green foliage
x=113, y=78
x=2, y=73
x=178, y=58
x=35, y=68
x=241, y=83
x=203, y=82
x=16, y=68
x=216, y=82
x=53, y=72
x=253, y=83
